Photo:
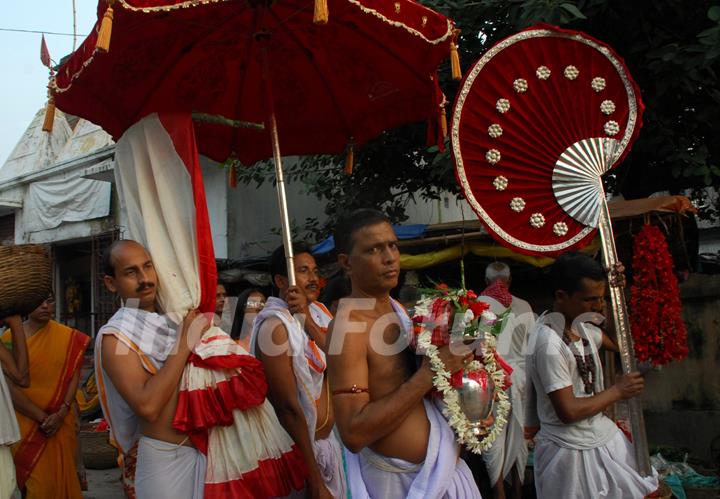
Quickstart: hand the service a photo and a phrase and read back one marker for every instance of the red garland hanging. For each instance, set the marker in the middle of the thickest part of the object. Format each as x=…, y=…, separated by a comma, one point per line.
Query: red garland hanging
x=655, y=313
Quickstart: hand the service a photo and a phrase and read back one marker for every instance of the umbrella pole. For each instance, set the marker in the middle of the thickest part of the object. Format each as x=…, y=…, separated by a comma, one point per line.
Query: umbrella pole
x=279, y=177
x=624, y=339
x=282, y=201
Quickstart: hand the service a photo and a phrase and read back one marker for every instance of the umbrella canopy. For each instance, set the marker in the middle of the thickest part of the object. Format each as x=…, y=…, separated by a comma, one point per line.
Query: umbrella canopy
x=370, y=68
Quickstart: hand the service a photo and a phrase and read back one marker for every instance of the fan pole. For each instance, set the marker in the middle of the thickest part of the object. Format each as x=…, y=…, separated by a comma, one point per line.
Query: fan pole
x=624, y=338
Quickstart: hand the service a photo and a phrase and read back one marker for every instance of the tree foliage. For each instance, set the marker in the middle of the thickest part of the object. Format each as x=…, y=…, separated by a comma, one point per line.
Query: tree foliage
x=672, y=48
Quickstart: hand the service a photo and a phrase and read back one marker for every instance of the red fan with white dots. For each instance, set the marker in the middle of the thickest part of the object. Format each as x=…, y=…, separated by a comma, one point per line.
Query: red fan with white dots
x=537, y=122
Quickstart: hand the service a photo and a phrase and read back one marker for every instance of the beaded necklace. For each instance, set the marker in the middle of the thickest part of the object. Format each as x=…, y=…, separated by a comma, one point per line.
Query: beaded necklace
x=585, y=363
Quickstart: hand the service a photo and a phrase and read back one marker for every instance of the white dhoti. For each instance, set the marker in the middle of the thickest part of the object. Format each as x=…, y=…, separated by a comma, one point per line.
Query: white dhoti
x=607, y=471
x=7, y=473
x=168, y=471
x=329, y=458
x=510, y=449
x=9, y=434
x=441, y=475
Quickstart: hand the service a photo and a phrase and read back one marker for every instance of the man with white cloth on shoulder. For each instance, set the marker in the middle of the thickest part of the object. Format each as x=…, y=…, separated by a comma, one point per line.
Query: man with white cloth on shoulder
x=400, y=443
x=288, y=338
x=140, y=357
x=579, y=452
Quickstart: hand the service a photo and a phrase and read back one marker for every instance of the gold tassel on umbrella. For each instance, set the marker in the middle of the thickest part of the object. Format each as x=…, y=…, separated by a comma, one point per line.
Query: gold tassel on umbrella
x=49, y=114
x=443, y=118
x=321, y=13
x=443, y=123
x=103, y=40
x=232, y=176
x=231, y=163
x=349, y=159
x=455, y=58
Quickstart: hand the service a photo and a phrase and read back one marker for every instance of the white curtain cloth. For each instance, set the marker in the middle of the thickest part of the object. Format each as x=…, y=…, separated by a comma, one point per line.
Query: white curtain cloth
x=156, y=194
x=49, y=203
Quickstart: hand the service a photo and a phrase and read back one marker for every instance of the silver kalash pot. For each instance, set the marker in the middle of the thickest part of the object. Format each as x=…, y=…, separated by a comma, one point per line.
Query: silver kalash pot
x=476, y=397
x=476, y=401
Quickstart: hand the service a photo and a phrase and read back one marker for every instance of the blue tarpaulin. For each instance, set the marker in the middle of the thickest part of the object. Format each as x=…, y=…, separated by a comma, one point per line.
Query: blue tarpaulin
x=402, y=232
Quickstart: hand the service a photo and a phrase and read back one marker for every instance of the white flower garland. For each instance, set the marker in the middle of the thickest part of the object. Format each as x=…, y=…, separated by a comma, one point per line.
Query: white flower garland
x=451, y=407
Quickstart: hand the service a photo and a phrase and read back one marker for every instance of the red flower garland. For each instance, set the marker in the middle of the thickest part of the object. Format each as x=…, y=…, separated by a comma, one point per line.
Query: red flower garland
x=655, y=314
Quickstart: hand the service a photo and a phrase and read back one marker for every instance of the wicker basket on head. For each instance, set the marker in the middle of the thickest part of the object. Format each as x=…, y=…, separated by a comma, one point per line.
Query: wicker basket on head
x=24, y=278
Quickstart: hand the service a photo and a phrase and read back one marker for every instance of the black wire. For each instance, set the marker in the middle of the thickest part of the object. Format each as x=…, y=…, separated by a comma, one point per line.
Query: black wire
x=39, y=32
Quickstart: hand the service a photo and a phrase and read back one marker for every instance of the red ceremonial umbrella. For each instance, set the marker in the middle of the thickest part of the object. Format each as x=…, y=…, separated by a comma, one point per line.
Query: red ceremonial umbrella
x=328, y=87
x=538, y=120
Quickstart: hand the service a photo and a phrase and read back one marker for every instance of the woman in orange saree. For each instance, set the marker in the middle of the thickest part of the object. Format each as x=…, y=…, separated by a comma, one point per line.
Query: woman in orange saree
x=45, y=457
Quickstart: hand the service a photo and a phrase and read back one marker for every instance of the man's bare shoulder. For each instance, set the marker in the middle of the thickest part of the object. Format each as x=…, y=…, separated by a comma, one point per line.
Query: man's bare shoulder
x=348, y=332
x=346, y=343
x=269, y=324
x=112, y=346
x=121, y=363
x=272, y=340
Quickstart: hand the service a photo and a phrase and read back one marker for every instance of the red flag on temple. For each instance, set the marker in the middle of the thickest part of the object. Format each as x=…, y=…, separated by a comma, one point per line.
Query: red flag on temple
x=44, y=53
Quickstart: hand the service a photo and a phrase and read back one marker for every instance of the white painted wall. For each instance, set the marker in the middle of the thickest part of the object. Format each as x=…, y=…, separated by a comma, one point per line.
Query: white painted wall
x=252, y=214
x=447, y=209
x=215, y=181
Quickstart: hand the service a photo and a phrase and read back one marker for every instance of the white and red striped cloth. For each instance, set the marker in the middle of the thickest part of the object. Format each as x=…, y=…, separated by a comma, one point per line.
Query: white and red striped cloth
x=221, y=404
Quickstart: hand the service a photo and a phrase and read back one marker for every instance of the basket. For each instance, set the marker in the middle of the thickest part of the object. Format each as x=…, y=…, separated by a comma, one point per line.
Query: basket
x=24, y=278
x=97, y=453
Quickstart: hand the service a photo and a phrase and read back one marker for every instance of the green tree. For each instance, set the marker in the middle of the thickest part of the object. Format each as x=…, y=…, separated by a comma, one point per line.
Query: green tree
x=671, y=47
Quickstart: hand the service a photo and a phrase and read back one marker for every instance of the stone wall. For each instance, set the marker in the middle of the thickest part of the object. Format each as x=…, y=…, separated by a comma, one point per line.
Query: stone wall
x=682, y=400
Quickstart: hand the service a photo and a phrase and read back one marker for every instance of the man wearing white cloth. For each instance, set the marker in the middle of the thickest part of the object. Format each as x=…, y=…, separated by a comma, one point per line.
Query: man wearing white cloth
x=401, y=445
x=507, y=457
x=141, y=356
x=14, y=366
x=288, y=337
x=579, y=452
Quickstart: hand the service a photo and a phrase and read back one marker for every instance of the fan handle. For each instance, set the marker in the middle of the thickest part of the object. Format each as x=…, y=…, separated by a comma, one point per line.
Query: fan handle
x=624, y=338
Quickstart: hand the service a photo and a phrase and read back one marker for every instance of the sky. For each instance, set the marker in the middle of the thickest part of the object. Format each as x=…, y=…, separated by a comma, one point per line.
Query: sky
x=23, y=86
